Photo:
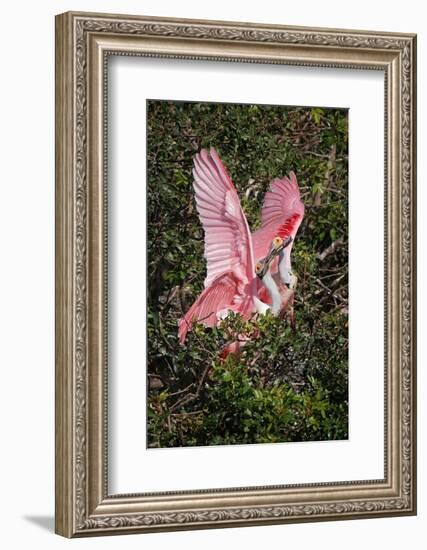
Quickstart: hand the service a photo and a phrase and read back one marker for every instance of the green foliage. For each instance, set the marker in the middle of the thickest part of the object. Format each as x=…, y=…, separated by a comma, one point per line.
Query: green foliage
x=287, y=385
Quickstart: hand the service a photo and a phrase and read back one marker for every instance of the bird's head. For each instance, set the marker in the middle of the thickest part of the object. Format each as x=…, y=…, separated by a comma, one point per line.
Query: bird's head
x=278, y=244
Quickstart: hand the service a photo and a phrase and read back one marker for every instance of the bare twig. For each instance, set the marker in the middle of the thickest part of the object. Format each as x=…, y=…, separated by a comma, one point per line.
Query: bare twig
x=190, y=413
x=171, y=295
x=181, y=391
x=190, y=397
x=202, y=379
x=183, y=401
x=331, y=249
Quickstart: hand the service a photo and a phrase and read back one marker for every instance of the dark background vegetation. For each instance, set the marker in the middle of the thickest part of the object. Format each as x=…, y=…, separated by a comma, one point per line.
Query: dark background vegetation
x=286, y=386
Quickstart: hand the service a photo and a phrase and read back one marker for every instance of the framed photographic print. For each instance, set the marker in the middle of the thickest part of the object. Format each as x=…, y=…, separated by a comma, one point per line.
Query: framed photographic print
x=235, y=274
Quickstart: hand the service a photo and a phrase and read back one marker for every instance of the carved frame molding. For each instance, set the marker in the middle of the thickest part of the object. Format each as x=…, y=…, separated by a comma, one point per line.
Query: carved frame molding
x=83, y=43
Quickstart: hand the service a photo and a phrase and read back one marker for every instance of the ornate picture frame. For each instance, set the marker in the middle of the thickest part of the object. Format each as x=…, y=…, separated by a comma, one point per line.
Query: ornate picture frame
x=84, y=42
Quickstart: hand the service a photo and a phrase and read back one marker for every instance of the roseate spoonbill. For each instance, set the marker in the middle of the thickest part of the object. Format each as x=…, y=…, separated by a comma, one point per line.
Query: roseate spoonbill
x=231, y=250
x=281, y=216
x=275, y=291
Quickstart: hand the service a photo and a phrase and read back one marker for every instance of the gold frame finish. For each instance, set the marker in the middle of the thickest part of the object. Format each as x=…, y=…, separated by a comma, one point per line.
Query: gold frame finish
x=83, y=43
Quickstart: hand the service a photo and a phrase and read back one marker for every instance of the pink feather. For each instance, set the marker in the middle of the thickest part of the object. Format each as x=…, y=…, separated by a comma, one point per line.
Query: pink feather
x=230, y=249
x=219, y=295
x=281, y=215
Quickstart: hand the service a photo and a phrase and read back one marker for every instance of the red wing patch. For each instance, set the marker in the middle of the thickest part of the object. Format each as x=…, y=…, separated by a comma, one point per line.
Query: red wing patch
x=287, y=228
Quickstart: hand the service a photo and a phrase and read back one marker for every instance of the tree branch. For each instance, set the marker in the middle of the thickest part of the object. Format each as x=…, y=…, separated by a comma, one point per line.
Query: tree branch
x=331, y=249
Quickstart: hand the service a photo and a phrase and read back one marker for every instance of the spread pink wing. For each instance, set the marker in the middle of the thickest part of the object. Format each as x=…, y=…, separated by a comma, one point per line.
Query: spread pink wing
x=222, y=294
x=281, y=214
x=228, y=241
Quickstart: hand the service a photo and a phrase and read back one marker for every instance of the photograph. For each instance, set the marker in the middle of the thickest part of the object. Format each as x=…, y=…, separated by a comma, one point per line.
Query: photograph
x=247, y=273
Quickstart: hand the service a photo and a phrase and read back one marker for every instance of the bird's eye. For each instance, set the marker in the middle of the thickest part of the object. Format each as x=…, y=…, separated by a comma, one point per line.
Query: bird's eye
x=258, y=267
x=277, y=241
